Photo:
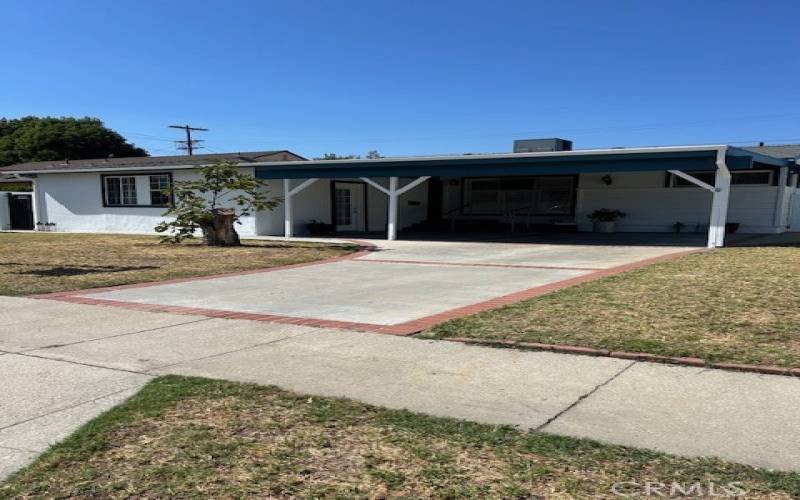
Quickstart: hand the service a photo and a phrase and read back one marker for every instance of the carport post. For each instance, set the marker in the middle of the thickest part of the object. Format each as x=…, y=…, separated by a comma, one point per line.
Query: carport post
x=719, y=204
x=288, y=193
x=287, y=209
x=394, y=193
x=391, y=225
x=720, y=197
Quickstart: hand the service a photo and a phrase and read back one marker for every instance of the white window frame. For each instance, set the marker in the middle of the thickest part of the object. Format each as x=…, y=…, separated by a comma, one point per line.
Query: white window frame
x=142, y=192
x=122, y=198
x=150, y=188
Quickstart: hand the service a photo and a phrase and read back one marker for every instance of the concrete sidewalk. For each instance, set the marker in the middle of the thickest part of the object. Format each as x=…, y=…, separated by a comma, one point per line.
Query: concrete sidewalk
x=65, y=363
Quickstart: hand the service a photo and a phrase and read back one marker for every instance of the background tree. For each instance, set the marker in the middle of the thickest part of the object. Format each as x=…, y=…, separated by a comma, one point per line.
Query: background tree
x=213, y=204
x=48, y=139
x=371, y=155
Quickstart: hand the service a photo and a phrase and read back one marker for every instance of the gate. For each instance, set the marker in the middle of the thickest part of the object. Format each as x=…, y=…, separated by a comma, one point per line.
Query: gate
x=21, y=211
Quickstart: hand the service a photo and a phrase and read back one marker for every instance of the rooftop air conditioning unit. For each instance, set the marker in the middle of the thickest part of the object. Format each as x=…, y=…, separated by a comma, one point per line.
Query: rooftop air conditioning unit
x=541, y=145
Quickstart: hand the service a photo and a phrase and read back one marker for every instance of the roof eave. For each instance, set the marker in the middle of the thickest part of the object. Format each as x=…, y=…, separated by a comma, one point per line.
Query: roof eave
x=123, y=169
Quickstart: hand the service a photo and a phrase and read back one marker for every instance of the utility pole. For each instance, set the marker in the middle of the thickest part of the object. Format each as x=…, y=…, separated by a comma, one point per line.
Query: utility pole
x=189, y=144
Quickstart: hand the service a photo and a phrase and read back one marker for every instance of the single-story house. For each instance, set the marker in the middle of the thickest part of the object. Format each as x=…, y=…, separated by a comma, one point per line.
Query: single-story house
x=544, y=184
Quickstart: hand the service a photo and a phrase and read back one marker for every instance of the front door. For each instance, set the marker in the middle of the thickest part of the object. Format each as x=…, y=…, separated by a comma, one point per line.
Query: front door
x=349, y=206
x=21, y=211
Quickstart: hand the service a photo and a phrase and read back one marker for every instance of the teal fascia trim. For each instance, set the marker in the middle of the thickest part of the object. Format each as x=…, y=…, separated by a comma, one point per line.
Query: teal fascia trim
x=477, y=167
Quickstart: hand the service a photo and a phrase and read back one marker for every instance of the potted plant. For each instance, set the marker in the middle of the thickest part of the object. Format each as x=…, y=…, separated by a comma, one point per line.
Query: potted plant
x=604, y=219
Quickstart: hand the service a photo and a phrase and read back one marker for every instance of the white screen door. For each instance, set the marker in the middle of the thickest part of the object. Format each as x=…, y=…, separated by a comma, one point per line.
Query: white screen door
x=348, y=206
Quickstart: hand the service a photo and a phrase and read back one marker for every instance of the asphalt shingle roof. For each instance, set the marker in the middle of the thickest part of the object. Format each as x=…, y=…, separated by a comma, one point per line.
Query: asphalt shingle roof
x=777, y=150
x=152, y=161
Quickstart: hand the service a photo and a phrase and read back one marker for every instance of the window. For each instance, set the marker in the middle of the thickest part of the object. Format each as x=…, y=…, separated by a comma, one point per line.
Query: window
x=143, y=190
x=707, y=177
x=120, y=191
x=763, y=177
x=158, y=184
x=343, y=207
x=749, y=178
x=484, y=196
x=534, y=195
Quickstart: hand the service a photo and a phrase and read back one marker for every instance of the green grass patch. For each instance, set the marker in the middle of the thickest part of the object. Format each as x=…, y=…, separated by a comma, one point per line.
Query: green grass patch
x=190, y=437
x=41, y=263
x=731, y=305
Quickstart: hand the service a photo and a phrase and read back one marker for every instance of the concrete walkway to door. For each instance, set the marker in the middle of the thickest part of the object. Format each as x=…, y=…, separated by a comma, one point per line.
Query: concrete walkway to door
x=62, y=364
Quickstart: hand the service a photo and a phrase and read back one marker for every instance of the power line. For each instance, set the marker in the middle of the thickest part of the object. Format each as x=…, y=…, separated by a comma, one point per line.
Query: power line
x=189, y=144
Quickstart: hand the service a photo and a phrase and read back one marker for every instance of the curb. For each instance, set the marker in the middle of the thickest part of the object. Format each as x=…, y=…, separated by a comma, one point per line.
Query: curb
x=634, y=356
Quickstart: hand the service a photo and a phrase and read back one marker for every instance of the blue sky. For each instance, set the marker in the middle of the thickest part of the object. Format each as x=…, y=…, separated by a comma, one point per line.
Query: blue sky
x=410, y=77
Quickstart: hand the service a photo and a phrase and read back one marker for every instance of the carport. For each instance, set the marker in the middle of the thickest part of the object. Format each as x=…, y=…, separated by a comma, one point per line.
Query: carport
x=404, y=174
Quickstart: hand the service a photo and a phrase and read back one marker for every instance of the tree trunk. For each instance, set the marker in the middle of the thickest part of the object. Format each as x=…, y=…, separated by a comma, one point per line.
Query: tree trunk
x=219, y=232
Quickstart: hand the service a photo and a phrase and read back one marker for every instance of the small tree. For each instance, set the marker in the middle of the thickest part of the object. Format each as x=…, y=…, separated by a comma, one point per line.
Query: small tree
x=213, y=204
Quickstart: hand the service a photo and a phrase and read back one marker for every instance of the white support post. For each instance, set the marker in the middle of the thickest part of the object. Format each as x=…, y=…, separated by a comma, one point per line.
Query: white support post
x=35, y=205
x=287, y=209
x=394, y=193
x=720, y=192
x=780, y=220
x=375, y=185
x=719, y=204
x=391, y=226
x=288, y=193
x=693, y=180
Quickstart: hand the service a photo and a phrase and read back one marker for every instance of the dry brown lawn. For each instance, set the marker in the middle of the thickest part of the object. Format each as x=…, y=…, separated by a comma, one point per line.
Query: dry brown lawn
x=40, y=263
x=735, y=305
x=192, y=438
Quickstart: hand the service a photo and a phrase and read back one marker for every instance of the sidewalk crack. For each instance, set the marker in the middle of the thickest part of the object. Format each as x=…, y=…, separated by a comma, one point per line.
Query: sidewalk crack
x=65, y=408
x=584, y=396
x=12, y=448
x=90, y=365
x=55, y=346
x=240, y=349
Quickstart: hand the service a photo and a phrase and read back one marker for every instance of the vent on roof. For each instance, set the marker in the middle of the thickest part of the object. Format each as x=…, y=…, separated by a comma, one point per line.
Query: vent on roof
x=541, y=145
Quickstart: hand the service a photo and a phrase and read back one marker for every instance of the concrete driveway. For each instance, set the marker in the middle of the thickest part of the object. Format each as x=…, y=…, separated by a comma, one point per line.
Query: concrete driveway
x=400, y=287
x=62, y=364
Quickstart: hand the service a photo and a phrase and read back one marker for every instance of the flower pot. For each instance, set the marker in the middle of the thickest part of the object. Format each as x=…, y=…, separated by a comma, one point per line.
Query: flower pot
x=604, y=226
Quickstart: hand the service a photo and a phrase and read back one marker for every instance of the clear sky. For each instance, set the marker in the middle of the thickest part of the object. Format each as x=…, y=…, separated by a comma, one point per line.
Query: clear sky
x=408, y=77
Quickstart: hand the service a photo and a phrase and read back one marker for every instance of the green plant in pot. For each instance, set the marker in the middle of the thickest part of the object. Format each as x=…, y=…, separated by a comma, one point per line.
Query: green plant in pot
x=605, y=219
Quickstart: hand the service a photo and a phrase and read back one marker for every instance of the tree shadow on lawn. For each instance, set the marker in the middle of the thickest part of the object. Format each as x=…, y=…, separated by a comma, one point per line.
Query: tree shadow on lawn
x=81, y=270
x=247, y=246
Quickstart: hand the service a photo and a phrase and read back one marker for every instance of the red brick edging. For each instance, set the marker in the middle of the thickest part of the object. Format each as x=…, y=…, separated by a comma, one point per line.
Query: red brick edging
x=407, y=328
x=635, y=356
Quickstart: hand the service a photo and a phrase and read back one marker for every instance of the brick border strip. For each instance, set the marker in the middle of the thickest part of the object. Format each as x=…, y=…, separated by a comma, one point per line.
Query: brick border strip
x=404, y=329
x=418, y=325
x=634, y=356
x=225, y=314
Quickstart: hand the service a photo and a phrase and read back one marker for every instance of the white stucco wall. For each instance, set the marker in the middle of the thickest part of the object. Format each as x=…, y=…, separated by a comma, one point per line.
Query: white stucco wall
x=74, y=202
x=314, y=203
x=652, y=207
